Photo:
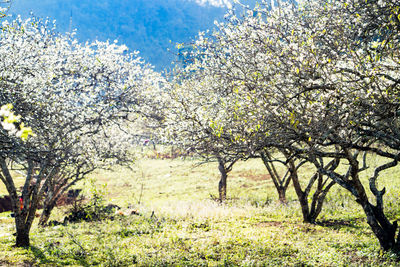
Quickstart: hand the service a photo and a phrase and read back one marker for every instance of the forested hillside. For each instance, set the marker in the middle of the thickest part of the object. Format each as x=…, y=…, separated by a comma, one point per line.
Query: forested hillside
x=151, y=27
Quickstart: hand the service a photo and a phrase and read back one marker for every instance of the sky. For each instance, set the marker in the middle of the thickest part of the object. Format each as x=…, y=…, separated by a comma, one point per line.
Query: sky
x=216, y=3
x=152, y=27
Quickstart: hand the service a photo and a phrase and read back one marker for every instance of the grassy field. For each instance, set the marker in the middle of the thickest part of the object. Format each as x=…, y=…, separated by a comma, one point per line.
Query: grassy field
x=180, y=224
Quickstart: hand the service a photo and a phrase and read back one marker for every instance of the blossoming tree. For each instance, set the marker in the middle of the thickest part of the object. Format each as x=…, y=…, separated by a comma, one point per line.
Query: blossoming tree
x=78, y=100
x=319, y=81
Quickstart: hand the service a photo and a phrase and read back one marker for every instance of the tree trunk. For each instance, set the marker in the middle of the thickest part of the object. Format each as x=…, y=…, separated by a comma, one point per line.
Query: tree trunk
x=302, y=197
x=50, y=202
x=282, y=195
x=380, y=225
x=319, y=195
x=23, y=229
x=22, y=237
x=45, y=216
x=222, y=188
x=311, y=212
x=222, y=182
x=307, y=218
x=281, y=182
x=386, y=234
x=383, y=229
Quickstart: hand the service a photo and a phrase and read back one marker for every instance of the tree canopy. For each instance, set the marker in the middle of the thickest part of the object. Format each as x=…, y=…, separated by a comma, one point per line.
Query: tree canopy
x=78, y=100
x=317, y=80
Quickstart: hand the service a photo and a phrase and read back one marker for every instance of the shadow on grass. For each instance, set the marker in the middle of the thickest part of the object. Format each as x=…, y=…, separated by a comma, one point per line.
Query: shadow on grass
x=39, y=255
x=41, y=258
x=340, y=224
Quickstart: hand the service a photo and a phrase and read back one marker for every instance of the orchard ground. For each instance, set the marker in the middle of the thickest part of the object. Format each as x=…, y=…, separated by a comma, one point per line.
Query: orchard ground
x=179, y=223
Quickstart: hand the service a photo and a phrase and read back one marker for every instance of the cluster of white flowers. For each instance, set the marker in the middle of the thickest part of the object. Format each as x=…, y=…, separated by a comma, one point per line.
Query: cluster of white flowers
x=8, y=121
x=8, y=118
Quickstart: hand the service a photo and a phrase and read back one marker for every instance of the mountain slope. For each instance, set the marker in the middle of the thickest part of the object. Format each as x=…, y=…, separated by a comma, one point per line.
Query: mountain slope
x=150, y=27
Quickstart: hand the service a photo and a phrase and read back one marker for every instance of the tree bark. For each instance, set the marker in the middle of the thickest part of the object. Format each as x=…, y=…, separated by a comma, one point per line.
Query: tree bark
x=311, y=212
x=22, y=227
x=300, y=195
x=50, y=202
x=222, y=185
x=282, y=195
x=319, y=197
x=281, y=182
x=22, y=237
x=382, y=228
x=45, y=216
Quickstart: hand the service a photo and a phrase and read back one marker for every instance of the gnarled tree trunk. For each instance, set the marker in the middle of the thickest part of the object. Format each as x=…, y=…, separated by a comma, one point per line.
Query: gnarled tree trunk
x=25, y=206
x=50, y=201
x=222, y=182
x=311, y=211
x=383, y=229
x=281, y=182
x=23, y=229
x=224, y=168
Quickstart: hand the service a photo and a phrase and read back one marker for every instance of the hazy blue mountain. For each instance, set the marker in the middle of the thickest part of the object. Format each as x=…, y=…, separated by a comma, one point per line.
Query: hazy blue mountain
x=144, y=25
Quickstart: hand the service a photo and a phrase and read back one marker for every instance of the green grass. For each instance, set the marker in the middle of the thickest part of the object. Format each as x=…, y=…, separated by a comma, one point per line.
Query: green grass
x=179, y=224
